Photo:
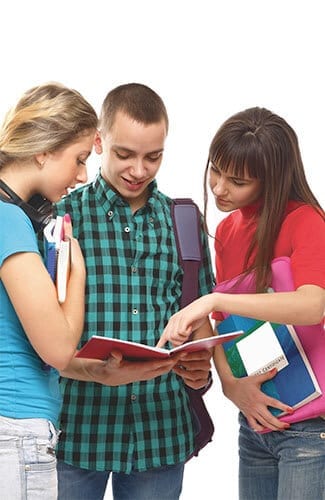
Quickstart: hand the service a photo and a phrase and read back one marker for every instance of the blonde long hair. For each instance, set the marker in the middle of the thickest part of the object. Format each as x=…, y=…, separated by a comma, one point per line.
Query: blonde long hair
x=45, y=119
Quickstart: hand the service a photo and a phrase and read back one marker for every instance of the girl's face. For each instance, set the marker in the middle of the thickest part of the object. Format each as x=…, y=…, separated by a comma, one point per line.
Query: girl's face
x=231, y=192
x=65, y=168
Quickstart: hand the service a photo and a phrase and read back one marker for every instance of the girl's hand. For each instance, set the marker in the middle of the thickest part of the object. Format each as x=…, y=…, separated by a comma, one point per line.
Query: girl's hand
x=67, y=226
x=246, y=394
x=183, y=323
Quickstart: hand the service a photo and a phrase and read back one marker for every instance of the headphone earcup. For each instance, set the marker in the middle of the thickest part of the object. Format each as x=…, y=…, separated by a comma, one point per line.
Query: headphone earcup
x=38, y=209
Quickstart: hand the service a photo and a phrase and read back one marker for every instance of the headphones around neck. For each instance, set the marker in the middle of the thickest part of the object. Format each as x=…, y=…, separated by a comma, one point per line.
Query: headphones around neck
x=38, y=209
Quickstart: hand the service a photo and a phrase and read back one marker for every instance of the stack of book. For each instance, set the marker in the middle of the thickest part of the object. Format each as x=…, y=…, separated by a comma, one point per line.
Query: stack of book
x=296, y=377
x=268, y=345
x=57, y=255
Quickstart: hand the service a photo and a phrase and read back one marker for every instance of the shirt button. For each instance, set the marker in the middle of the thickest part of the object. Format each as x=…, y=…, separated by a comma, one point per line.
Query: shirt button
x=151, y=219
x=27, y=467
x=133, y=397
x=110, y=213
x=135, y=311
x=134, y=269
x=127, y=229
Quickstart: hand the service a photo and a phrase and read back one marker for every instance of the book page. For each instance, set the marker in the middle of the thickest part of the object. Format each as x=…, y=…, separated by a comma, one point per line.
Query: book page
x=63, y=269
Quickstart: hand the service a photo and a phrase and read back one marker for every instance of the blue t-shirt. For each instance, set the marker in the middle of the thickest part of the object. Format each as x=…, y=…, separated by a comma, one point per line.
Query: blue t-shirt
x=27, y=389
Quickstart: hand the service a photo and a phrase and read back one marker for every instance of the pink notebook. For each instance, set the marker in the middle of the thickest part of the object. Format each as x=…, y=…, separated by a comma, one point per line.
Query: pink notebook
x=312, y=337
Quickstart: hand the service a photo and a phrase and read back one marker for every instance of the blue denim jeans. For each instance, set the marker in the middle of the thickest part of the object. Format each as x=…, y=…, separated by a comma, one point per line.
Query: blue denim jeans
x=27, y=459
x=286, y=465
x=162, y=483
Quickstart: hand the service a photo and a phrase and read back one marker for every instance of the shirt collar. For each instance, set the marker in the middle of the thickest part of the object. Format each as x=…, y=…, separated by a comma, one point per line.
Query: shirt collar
x=108, y=198
x=252, y=210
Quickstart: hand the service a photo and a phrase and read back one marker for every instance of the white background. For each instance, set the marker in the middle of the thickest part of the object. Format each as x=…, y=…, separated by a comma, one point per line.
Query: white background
x=208, y=60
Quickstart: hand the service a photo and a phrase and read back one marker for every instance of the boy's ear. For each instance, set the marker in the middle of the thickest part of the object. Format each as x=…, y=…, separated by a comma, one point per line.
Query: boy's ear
x=98, y=143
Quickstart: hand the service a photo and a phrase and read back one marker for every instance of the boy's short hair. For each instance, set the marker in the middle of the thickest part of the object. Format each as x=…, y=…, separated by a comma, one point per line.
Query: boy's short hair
x=137, y=101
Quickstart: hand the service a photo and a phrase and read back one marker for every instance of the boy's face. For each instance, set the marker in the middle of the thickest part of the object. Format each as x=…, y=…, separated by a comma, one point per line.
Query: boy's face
x=131, y=157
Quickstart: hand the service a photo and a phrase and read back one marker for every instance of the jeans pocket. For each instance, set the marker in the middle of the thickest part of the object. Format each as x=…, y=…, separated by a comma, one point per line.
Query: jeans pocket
x=39, y=454
x=40, y=470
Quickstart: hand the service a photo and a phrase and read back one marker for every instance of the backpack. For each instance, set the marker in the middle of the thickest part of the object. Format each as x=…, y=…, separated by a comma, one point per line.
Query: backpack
x=186, y=221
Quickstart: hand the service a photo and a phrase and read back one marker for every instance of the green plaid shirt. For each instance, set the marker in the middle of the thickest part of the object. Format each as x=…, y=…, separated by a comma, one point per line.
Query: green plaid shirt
x=133, y=286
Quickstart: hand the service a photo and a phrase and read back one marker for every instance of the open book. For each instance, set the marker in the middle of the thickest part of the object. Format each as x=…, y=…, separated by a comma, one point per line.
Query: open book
x=57, y=255
x=101, y=347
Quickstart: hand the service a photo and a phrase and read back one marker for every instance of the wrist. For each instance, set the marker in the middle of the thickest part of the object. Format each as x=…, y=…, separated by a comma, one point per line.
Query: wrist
x=227, y=384
x=90, y=371
x=212, y=302
x=204, y=388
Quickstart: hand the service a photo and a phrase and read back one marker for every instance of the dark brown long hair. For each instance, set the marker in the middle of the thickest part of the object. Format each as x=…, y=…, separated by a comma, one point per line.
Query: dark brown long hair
x=262, y=145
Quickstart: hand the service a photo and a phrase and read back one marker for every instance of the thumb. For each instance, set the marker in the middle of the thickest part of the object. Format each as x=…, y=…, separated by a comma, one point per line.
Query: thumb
x=267, y=375
x=115, y=358
x=67, y=226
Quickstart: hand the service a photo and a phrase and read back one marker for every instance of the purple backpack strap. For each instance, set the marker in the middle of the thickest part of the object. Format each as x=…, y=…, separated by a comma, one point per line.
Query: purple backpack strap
x=186, y=220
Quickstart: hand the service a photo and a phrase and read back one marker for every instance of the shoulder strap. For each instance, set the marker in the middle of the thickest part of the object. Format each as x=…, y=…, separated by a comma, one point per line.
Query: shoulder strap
x=186, y=221
x=187, y=224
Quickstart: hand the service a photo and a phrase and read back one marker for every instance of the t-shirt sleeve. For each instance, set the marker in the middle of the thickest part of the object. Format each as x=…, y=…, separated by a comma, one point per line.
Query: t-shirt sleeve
x=307, y=229
x=17, y=233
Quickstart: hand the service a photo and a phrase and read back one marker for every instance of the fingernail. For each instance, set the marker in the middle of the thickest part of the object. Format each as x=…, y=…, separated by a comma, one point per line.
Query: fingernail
x=67, y=218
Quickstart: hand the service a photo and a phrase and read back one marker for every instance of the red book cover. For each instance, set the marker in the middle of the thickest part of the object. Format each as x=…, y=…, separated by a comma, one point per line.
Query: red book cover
x=101, y=347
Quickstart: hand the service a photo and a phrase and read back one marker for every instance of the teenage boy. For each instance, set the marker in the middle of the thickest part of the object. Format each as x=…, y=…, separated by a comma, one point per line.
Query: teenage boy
x=131, y=419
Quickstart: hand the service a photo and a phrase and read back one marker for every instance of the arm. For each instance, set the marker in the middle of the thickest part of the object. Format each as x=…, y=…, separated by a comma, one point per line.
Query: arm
x=53, y=329
x=116, y=370
x=194, y=368
x=304, y=306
